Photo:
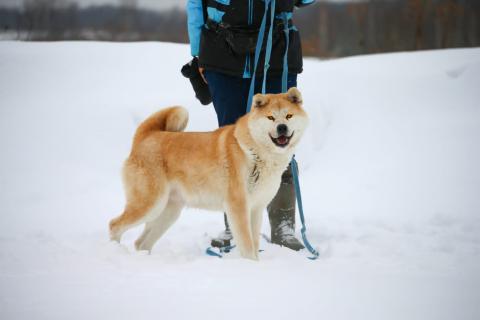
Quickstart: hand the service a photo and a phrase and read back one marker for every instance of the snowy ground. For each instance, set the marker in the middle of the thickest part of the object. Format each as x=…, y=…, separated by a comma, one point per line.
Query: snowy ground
x=390, y=179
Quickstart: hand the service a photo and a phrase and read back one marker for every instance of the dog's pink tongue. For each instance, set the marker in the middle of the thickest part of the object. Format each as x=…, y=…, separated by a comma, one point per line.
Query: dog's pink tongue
x=282, y=140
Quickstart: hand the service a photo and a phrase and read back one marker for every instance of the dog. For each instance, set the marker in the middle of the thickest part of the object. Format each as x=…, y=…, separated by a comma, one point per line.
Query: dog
x=235, y=169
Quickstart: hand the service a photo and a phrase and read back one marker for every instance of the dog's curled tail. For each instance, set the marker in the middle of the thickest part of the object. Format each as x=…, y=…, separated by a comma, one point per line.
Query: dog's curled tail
x=170, y=119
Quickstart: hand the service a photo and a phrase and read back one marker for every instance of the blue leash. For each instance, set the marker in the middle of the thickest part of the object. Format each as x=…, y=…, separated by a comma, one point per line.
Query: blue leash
x=221, y=251
x=258, y=49
x=296, y=183
x=285, y=17
x=211, y=252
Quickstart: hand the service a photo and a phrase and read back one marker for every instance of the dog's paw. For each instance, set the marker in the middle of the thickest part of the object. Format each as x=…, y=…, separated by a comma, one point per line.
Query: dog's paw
x=141, y=245
x=115, y=237
x=250, y=255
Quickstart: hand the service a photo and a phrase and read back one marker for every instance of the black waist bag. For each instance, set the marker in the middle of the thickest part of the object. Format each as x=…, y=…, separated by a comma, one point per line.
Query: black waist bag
x=240, y=40
x=202, y=92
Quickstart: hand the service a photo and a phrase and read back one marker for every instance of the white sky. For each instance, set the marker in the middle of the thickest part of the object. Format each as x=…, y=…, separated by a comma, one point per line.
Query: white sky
x=151, y=4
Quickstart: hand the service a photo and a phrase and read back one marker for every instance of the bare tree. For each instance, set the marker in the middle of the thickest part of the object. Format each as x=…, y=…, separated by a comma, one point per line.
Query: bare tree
x=418, y=9
x=447, y=13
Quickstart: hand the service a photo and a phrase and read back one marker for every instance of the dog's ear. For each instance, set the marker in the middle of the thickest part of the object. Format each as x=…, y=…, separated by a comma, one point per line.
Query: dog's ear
x=294, y=96
x=259, y=100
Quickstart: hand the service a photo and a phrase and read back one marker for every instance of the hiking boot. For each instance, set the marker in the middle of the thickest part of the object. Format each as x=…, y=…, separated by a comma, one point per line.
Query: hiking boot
x=224, y=238
x=281, y=213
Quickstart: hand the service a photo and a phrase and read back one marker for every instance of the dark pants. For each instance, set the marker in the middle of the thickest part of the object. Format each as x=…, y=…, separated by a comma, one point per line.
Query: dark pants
x=230, y=94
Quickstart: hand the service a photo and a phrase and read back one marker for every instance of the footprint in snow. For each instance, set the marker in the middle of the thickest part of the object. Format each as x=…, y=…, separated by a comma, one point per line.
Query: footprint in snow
x=454, y=73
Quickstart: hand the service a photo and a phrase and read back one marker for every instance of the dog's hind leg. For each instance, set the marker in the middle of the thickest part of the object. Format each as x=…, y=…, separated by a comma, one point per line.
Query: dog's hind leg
x=145, y=200
x=135, y=215
x=157, y=227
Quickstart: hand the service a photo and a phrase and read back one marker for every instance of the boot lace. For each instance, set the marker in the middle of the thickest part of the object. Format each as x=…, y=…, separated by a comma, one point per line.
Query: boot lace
x=285, y=230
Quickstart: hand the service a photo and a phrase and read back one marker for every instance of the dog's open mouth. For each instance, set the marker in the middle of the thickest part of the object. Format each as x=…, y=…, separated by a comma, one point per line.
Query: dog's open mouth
x=282, y=141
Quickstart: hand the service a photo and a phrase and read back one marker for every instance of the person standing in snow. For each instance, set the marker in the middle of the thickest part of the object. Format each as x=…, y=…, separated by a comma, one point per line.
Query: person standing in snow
x=223, y=36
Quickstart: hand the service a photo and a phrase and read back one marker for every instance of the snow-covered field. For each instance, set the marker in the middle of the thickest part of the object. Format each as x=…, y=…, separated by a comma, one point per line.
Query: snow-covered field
x=389, y=172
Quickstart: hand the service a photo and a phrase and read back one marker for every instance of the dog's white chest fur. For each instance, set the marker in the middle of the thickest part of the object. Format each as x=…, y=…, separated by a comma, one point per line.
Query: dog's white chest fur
x=264, y=177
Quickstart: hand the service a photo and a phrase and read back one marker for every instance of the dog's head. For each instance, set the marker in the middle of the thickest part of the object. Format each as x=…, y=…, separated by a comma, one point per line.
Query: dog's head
x=277, y=121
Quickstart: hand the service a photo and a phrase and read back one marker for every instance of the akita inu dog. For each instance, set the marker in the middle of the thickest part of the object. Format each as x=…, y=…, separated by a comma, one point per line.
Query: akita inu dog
x=235, y=169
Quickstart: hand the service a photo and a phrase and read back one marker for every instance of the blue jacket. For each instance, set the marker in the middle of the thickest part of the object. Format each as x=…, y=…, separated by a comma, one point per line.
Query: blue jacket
x=216, y=55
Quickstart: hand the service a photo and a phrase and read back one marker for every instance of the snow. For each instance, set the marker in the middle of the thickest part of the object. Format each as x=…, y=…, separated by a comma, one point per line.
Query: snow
x=389, y=174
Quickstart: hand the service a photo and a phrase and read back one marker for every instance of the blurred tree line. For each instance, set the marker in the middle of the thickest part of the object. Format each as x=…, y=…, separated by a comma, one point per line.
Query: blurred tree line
x=328, y=29
x=341, y=29
x=52, y=20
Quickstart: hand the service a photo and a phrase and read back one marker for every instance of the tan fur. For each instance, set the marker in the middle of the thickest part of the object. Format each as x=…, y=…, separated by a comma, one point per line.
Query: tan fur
x=235, y=169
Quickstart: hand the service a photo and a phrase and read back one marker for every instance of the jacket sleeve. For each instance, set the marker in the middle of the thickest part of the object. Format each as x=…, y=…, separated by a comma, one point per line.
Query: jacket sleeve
x=303, y=3
x=195, y=23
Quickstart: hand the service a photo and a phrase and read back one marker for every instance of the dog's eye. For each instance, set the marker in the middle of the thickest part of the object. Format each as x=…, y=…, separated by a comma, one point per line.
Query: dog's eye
x=271, y=118
x=289, y=116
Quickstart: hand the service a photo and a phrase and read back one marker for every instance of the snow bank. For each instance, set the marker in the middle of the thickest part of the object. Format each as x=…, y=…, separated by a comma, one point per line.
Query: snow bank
x=389, y=172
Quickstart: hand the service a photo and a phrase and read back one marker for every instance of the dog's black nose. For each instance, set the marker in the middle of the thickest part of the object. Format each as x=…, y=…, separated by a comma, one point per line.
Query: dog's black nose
x=282, y=129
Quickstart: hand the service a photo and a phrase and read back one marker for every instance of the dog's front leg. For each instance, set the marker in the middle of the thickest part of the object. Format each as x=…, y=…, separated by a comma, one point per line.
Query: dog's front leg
x=239, y=217
x=256, y=223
